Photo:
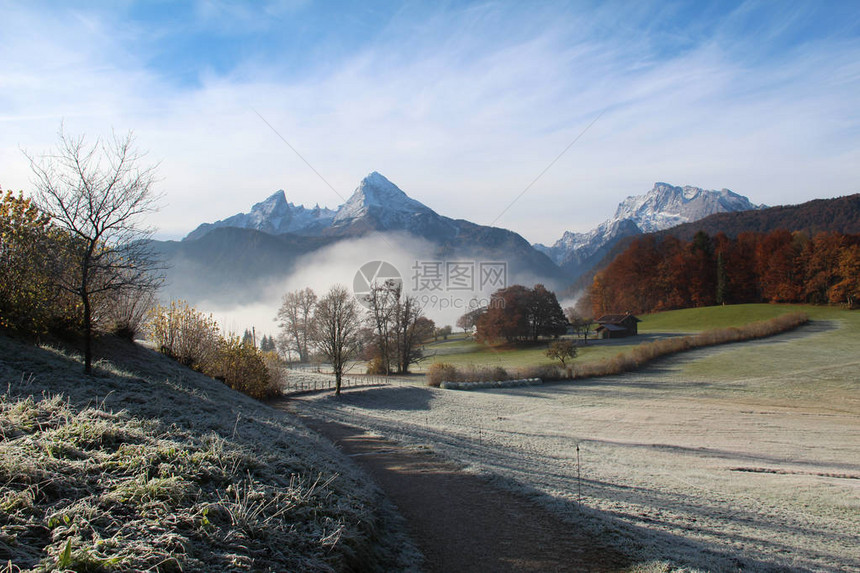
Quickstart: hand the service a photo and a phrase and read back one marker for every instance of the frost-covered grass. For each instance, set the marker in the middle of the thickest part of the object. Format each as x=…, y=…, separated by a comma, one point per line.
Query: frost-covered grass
x=487, y=356
x=149, y=466
x=745, y=456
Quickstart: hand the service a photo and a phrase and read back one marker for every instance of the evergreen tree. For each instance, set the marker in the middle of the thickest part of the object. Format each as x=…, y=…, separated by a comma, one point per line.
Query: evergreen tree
x=267, y=344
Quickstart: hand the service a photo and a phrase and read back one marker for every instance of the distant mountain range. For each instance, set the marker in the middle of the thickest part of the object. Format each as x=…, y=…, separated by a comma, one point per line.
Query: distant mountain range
x=663, y=207
x=231, y=260
x=838, y=215
x=243, y=252
x=377, y=204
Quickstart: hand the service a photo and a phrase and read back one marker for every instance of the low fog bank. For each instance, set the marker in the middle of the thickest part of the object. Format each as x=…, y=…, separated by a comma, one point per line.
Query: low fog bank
x=446, y=286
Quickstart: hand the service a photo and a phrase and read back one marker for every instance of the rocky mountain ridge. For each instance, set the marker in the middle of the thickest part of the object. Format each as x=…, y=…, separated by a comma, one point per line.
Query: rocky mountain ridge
x=663, y=207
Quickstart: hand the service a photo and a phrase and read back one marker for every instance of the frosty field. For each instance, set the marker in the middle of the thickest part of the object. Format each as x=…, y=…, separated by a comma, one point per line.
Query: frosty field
x=739, y=456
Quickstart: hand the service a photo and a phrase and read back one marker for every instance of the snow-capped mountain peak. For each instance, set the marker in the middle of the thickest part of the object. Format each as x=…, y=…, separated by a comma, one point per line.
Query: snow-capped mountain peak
x=274, y=215
x=376, y=195
x=273, y=209
x=376, y=204
x=663, y=207
x=666, y=206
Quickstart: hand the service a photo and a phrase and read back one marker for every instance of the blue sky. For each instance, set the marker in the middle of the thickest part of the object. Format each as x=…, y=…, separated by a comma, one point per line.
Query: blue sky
x=462, y=104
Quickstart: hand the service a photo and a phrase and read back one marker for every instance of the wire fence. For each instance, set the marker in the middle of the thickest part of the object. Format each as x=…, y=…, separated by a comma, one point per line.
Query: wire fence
x=306, y=380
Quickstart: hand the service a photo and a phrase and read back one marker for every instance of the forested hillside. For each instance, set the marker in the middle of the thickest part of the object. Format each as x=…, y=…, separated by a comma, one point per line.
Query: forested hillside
x=663, y=273
x=840, y=215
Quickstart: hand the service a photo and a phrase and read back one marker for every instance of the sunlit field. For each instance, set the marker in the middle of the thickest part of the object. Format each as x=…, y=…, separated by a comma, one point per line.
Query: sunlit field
x=462, y=350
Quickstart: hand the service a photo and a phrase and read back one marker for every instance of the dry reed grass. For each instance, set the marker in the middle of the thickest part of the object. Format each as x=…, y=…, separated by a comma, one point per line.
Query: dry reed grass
x=439, y=372
x=649, y=351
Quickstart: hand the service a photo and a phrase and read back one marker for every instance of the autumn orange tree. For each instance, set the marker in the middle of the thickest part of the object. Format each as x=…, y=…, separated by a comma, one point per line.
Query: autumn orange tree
x=822, y=255
x=781, y=266
x=29, y=265
x=184, y=334
x=848, y=289
x=518, y=313
x=195, y=340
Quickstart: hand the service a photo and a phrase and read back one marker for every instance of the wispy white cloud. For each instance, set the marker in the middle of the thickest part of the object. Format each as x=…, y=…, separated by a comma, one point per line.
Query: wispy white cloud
x=460, y=106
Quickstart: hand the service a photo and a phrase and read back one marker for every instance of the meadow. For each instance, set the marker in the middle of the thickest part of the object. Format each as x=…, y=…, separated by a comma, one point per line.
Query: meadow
x=739, y=456
x=463, y=350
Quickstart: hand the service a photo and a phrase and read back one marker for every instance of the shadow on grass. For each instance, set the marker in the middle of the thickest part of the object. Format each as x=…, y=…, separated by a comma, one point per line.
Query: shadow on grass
x=405, y=398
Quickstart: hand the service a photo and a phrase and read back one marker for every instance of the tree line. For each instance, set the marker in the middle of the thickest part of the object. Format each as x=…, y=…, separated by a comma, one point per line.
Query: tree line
x=655, y=274
x=387, y=331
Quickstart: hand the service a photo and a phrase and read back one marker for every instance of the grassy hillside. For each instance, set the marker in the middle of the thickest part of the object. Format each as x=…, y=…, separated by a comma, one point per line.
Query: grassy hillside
x=809, y=370
x=464, y=352
x=149, y=466
x=698, y=319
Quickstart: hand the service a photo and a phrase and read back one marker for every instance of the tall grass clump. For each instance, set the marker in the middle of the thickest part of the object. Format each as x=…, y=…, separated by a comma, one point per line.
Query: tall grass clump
x=649, y=351
x=546, y=372
x=441, y=372
x=444, y=372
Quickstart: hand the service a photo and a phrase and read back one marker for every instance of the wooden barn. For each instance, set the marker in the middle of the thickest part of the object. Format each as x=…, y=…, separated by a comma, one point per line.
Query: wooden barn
x=617, y=326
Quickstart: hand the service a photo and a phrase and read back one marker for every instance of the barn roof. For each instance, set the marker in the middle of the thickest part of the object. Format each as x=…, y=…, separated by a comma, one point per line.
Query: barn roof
x=612, y=327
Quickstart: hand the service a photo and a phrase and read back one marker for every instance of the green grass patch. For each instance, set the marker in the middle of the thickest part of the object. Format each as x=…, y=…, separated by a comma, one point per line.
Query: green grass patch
x=807, y=365
x=706, y=318
x=470, y=353
x=647, y=352
x=461, y=351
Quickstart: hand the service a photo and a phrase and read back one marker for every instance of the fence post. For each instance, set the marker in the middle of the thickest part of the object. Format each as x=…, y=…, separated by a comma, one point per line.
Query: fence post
x=578, y=477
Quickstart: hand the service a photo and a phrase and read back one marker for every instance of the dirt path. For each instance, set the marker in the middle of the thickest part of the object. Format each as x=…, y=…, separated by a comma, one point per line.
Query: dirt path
x=459, y=521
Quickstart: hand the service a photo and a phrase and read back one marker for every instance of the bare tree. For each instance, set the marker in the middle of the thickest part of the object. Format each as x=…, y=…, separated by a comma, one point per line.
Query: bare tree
x=468, y=321
x=409, y=330
x=97, y=193
x=337, y=325
x=581, y=324
x=383, y=302
x=127, y=312
x=294, y=318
